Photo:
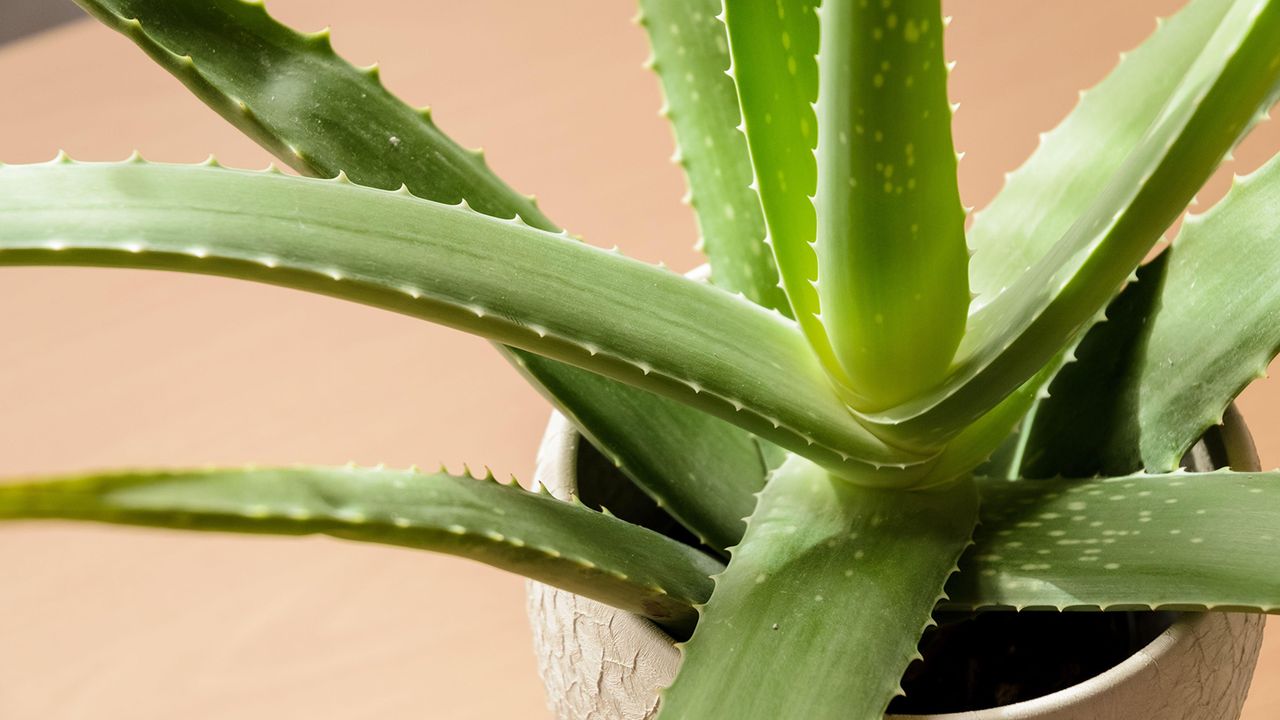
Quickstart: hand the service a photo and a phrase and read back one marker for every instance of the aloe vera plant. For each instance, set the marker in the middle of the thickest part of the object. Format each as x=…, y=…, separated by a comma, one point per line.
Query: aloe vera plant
x=849, y=423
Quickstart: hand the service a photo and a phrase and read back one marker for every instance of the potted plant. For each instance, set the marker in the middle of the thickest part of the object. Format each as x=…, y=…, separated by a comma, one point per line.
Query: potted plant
x=852, y=381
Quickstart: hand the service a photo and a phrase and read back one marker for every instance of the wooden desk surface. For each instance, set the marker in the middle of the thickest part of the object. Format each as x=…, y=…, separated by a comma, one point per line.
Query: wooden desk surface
x=108, y=369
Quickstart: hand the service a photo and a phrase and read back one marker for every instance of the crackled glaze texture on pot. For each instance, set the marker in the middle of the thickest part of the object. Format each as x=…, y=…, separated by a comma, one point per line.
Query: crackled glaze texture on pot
x=595, y=661
x=598, y=663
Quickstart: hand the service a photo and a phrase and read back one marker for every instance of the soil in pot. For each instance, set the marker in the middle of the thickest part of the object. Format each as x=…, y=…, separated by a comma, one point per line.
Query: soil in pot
x=984, y=660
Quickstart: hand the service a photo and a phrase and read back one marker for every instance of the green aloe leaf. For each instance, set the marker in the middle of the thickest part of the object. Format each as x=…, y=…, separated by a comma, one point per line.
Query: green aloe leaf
x=699, y=469
x=892, y=261
x=562, y=544
x=774, y=46
x=691, y=58
x=822, y=561
x=690, y=55
x=1195, y=329
x=1006, y=461
x=292, y=94
x=500, y=279
x=1059, y=182
x=1175, y=541
x=1014, y=335
x=1072, y=431
x=981, y=440
x=773, y=457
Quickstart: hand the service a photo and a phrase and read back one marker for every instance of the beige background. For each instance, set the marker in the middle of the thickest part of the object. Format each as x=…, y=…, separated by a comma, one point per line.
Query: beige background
x=107, y=369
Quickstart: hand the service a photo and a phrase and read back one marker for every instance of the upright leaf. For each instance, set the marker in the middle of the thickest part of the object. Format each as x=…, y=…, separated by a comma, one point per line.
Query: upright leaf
x=690, y=56
x=981, y=439
x=563, y=544
x=1195, y=329
x=823, y=562
x=892, y=259
x=1011, y=338
x=1005, y=463
x=296, y=97
x=521, y=286
x=774, y=46
x=1074, y=161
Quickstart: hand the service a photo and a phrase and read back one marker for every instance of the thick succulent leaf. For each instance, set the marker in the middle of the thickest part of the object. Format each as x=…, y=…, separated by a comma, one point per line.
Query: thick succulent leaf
x=1088, y=423
x=773, y=456
x=822, y=561
x=500, y=279
x=703, y=472
x=892, y=261
x=690, y=47
x=983, y=438
x=292, y=94
x=1175, y=541
x=1011, y=338
x=1195, y=329
x=774, y=47
x=1074, y=161
x=690, y=55
x=1007, y=460
x=1055, y=186
x=566, y=545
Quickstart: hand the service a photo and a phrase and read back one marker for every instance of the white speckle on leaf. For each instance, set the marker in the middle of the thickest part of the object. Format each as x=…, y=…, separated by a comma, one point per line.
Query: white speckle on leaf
x=350, y=515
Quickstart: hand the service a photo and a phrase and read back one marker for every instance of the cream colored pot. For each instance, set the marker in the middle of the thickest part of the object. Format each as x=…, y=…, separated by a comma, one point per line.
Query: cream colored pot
x=599, y=663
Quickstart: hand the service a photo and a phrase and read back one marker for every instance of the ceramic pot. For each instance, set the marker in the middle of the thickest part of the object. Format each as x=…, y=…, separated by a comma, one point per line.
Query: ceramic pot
x=599, y=663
